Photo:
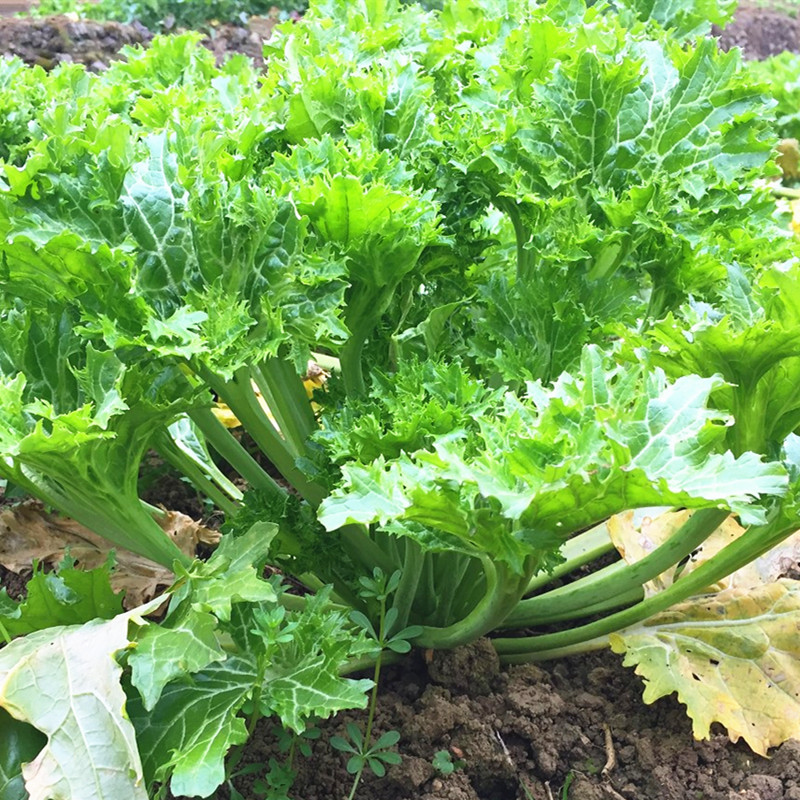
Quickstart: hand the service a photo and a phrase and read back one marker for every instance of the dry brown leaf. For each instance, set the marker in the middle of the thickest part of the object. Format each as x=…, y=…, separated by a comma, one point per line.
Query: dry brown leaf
x=28, y=533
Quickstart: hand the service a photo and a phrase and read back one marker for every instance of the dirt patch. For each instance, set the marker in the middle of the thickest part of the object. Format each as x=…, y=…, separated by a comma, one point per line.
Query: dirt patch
x=51, y=41
x=14, y=583
x=538, y=733
x=224, y=40
x=761, y=32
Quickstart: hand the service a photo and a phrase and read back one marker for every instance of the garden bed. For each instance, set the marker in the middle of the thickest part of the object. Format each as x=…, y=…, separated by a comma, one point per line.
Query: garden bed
x=575, y=729
x=493, y=499
x=760, y=31
x=50, y=41
x=541, y=728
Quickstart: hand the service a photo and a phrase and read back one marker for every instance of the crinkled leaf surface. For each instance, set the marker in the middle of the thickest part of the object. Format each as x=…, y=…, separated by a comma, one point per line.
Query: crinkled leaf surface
x=193, y=725
x=731, y=658
x=231, y=575
x=163, y=653
x=190, y=693
x=683, y=17
x=69, y=597
x=303, y=679
x=91, y=752
x=562, y=459
x=313, y=689
x=751, y=339
x=30, y=533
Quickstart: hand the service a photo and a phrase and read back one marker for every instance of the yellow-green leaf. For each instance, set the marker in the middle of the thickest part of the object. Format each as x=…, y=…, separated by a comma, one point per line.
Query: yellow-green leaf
x=635, y=536
x=730, y=657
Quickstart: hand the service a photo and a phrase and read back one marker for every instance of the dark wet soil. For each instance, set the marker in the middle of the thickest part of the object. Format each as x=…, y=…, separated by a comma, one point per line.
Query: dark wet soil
x=13, y=583
x=51, y=41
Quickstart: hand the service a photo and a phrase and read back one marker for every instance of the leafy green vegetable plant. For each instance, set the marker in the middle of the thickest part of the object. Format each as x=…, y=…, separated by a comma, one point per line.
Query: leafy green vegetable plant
x=527, y=242
x=781, y=73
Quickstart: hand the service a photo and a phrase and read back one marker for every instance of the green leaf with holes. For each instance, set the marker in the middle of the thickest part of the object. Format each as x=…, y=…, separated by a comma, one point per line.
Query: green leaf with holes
x=730, y=657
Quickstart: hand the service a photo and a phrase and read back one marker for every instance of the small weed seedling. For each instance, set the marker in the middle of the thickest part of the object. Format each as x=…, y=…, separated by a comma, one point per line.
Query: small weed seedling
x=278, y=776
x=363, y=754
x=443, y=762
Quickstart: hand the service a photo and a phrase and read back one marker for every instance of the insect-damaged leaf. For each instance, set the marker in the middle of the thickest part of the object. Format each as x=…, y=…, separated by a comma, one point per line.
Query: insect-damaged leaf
x=730, y=657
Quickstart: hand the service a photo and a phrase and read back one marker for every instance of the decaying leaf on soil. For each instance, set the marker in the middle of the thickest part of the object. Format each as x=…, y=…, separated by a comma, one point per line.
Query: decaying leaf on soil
x=29, y=533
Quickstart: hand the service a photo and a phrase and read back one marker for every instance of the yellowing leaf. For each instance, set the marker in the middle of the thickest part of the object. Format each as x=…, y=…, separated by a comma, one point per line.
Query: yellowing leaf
x=789, y=158
x=315, y=378
x=795, y=204
x=66, y=683
x=225, y=416
x=731, y=658
x=635, y=537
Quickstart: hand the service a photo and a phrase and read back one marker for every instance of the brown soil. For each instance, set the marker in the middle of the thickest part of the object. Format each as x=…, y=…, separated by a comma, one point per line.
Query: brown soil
x=537, y=733
x=761, y=32
x=51, y=41
x=15, y=584
x=225, y=40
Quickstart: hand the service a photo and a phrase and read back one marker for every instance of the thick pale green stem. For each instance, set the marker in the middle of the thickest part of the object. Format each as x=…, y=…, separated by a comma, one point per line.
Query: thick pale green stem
x=521, y=234
x=127, y=525
x=741, y=551
x=362, y=549
x=403, y=599
x=617, y=579
x=748, y=433
x=287, y=399
x=617, y=601
x=243, y=401
x=364, y=663
x=448, y=583
x=352, y=369
x=175, y=457
x=502, y=593
x=577, y=551
x=220, y=438
x=4, y=634
x=365, y=307
x=590, y=646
